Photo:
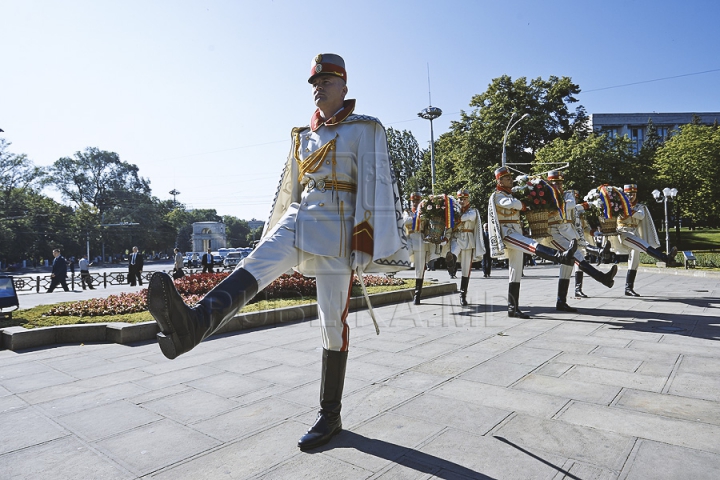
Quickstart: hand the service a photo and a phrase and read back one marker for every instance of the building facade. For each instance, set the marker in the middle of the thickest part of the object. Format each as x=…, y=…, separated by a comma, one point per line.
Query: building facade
x=634, y=125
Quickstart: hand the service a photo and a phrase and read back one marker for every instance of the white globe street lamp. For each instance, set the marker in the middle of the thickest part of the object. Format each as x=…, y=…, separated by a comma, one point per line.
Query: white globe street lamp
x=664, y=196
x=507, y=131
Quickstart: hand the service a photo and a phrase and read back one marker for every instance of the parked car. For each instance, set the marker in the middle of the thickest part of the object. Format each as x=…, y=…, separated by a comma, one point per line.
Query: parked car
x=233, y=258
x=192, y=260
x=217, y=259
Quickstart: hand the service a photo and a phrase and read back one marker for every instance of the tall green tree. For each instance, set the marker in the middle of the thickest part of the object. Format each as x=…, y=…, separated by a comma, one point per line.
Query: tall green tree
x=97, y=177
x=690, y=162
x=467, y=155
x=405, y=159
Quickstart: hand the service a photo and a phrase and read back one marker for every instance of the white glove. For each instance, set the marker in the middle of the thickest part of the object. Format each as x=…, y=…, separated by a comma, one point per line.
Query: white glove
x=359, y=260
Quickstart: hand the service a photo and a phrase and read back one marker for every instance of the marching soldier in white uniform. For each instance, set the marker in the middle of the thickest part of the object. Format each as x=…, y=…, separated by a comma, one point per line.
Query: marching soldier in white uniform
x=421, y=251
x=467, y=242
x=562, y=230
x=585, y=240
x=636, y=233
x=336, y=212
x=507, y=240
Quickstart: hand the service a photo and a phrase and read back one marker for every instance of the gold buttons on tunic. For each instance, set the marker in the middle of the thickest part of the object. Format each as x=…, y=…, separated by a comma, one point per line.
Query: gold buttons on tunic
x=321, y=204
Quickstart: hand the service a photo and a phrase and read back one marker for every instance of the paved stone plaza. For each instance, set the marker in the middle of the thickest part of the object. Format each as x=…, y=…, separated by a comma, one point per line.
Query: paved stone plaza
x=626, y=388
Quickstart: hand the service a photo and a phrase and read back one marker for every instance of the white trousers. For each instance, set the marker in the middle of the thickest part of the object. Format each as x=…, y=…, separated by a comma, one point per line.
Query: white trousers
x=420, y=259
x=465, y=259
x=516, y=246
x=636, y=245
x=277, y=254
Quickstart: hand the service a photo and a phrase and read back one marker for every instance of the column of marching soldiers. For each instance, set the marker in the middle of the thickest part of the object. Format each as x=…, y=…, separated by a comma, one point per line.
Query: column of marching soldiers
x=448, y=226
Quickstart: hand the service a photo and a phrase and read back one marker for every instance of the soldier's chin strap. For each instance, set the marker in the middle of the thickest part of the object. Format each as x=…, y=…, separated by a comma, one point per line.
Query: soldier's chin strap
x=359, y=272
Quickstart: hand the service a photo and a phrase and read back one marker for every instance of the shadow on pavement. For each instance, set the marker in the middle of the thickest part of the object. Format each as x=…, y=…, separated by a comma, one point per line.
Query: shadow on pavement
x=407, y=457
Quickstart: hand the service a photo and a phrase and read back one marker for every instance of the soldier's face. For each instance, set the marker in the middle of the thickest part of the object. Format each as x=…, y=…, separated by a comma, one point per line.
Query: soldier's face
x=505, y=181
x=328, y=90
x=464, y=200
x=632, y=196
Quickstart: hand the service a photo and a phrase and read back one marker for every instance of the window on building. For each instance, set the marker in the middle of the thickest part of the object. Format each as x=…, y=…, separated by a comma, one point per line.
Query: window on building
x=637, y=136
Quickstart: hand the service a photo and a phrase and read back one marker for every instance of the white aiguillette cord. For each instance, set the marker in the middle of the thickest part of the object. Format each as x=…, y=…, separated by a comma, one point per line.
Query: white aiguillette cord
x=367, y=300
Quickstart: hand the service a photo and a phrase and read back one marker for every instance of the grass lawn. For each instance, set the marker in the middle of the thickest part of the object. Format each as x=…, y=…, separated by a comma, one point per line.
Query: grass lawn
x=37, y=316
x=700, y=239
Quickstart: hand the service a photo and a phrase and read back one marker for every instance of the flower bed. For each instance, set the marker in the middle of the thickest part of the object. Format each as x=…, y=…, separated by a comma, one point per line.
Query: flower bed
x=193, y=287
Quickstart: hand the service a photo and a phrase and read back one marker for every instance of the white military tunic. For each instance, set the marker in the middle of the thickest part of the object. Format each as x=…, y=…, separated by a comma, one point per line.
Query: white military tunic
x=336, y=197
x=467, y=242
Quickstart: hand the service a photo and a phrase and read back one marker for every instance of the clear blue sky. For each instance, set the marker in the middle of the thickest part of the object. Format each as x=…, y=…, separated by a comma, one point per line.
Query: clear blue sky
x=201, y=95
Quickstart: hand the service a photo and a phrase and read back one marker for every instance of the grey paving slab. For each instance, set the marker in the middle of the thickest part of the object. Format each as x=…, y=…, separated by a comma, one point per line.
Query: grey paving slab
x=90, y=399
x=244, y=420
x=486, y=457
x=597, y=447
x=26, y=427
x=371, y=401
x=228, y=384
x=190, y=406
x=697, y=435
x=568, y=388
x=313, y=466
x=458, y=414
x=667, y=462
x=36, y=381
x=503, y=398
x=497, y=372
x=65, y=458
x=615, y=377
x=382, y=441
x=174, y=377
x=151, y=447
x=684, y=408
x=69, y=389
x=625, y=365
x=11, y=402
x=696, y=385
x=100, y=422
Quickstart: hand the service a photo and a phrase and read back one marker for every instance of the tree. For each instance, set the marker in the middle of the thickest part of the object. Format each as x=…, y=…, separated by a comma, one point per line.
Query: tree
x=467, y=155
x=16, y=171
x=97, y=177
x=690, y=162
x=405, y=159
x=591, y=161
x=236, y=231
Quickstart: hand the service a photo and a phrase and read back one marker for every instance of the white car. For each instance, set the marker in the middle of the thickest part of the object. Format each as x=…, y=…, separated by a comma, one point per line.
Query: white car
x=233, y=258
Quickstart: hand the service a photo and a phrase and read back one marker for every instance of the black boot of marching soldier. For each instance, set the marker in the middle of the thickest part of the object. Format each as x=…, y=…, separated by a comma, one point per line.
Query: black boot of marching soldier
x=418, y=291
x=328, y=422
x=463, y=290
x=578, y=285
x=630, y=283
x=561, y=305
x=514, y=301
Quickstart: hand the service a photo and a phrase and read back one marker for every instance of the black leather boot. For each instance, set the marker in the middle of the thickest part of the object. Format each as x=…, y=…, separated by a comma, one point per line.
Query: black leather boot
x=630, y=283
x=604, y=278
x=328, y=422
x=668, y=259
x=183, y=327
x=578, y=285
x=463, y=290
x=418, y=290
x=566, y=258
x=514, y=301
x=561, y=304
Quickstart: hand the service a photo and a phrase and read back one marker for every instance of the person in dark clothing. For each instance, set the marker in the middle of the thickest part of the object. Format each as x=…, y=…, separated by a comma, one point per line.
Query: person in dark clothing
x=59, y=272
x=487, y=260
x=135, y=267
x=208, y=262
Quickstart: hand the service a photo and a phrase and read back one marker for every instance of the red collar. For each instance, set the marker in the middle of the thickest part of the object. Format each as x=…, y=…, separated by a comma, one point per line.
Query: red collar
x=503, y=189
x=316, y=121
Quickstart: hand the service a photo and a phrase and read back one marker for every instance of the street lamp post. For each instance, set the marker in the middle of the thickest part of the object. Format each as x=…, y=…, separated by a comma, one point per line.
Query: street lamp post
x=507, y=131
x=431, y=113
x=664, y=196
